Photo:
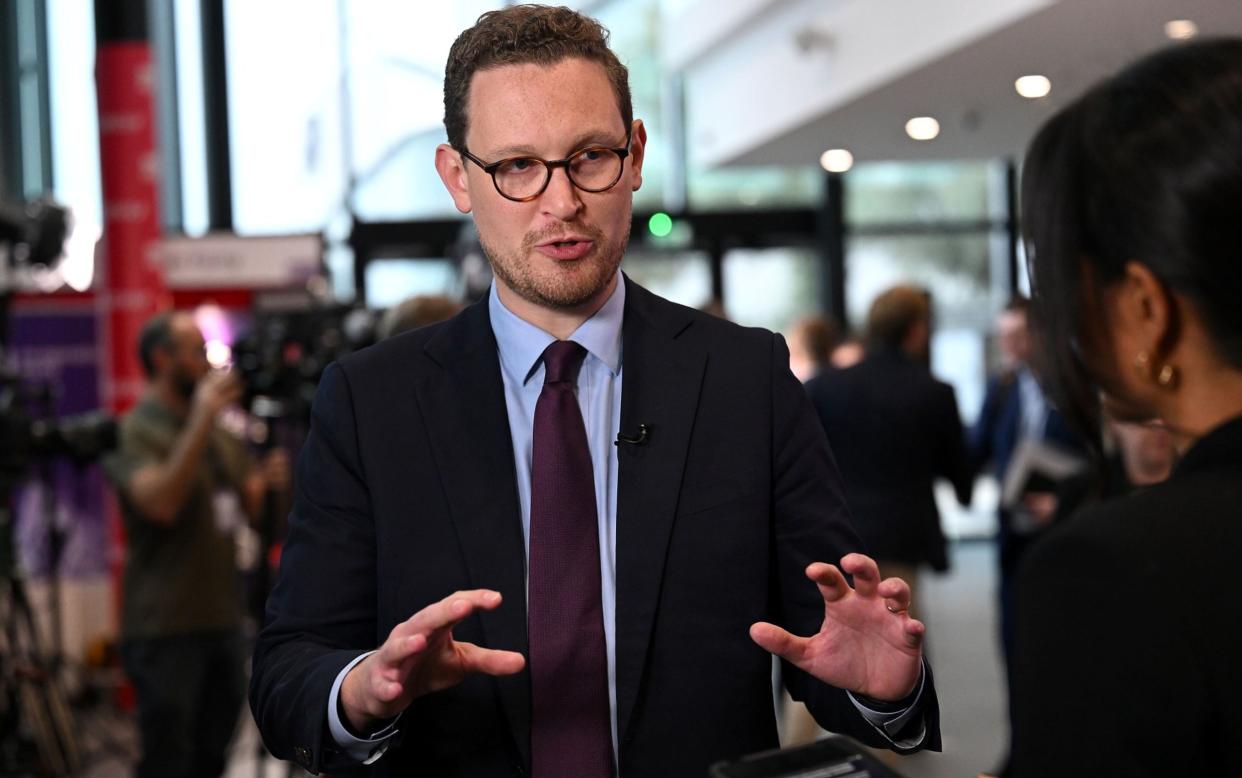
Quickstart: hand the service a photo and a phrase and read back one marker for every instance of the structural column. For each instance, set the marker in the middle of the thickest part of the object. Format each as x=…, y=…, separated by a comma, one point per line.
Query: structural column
x=133, y=285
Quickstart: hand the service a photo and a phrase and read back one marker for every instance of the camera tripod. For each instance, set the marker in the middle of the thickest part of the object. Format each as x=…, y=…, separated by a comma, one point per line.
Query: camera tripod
x=37, y=732
x=41, y=734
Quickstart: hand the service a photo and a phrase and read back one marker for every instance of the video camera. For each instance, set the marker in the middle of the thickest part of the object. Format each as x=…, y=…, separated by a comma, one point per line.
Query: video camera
x=35, y=232
x=281, y=359
x=33, y=235
x=27, y=437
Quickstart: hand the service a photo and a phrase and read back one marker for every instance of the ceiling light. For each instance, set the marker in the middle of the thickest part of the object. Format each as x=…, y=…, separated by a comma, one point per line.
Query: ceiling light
x=1181, y=29
x=836, y=160
x=1033, y=87
x=922, y=128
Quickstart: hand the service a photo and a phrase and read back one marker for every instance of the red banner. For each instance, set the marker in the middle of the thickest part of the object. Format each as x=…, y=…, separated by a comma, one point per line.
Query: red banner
x=134, y=288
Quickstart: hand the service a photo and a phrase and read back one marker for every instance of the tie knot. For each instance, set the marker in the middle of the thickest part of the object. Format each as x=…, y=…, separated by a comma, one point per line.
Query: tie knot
x=561, y=361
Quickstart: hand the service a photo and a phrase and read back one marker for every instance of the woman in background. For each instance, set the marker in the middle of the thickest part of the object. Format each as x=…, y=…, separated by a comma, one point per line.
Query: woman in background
x=1128, y=657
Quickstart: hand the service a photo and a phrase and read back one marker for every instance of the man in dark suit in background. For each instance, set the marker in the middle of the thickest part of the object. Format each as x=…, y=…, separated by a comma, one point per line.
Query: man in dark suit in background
x=544, y=601
x=895, y=429
x=1015, y=410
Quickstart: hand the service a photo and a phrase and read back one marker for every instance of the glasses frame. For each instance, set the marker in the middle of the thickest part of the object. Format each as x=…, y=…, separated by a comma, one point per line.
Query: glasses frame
x=549, y=166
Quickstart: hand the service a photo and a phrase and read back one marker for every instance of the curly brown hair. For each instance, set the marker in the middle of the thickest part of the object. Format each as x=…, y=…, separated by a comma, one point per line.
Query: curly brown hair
x=526, y=34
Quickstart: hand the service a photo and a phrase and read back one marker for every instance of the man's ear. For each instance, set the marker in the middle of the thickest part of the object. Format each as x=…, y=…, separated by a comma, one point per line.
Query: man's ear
x=452, y=169
x=638, y=148
x=1147, y=309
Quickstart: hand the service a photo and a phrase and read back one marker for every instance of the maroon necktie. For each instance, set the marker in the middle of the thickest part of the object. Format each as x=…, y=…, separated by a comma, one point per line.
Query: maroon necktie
x=571, y=729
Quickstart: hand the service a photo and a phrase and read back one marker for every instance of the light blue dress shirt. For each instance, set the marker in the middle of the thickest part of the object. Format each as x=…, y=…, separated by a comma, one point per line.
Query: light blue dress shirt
x=521, y=346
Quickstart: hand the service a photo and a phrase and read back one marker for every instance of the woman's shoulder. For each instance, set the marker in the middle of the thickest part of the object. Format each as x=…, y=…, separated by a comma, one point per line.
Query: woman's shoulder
x=1190, y=519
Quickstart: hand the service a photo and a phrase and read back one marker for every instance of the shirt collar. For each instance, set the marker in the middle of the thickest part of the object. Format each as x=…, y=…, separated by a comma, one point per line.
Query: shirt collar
x=522, y=344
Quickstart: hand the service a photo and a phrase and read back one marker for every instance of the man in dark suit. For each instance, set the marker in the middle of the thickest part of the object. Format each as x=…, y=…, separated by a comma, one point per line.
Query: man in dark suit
x=1015, y=410
x=895, y=429
x=543, y=600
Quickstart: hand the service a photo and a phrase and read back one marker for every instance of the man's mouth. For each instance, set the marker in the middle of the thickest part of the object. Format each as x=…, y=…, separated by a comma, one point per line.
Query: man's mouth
x=566, y=249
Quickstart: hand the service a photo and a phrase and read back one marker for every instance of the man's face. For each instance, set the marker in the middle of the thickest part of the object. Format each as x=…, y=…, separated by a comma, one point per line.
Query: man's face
x=561, y=250
x=187, y=362
x=1014, y=339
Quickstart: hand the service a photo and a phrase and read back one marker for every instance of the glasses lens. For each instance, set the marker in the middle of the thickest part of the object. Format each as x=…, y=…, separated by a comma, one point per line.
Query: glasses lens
x=521, y=177
x=595, y=169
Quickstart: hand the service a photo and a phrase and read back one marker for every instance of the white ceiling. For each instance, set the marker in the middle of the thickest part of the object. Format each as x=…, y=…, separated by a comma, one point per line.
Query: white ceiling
x=971, y=92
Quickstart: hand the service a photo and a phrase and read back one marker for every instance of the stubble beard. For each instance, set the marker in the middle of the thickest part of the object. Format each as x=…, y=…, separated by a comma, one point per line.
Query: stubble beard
x=572, y=283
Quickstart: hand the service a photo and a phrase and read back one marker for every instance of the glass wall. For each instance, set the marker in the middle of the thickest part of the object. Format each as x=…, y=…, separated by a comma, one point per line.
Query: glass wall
x=939, y=225
x=773, y=287
x=75, y=132
x=681, y=276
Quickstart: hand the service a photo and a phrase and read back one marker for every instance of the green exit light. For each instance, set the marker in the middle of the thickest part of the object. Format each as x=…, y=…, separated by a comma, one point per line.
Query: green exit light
x=660, y=225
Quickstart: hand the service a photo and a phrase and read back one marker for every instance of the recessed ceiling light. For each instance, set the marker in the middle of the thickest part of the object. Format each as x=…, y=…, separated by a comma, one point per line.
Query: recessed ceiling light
x=1181, y=29
x=836, y=160
x=922, y=128
x=1033, y=87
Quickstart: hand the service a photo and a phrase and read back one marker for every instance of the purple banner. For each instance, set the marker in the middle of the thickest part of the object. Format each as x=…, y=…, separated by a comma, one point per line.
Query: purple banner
x=60, y=515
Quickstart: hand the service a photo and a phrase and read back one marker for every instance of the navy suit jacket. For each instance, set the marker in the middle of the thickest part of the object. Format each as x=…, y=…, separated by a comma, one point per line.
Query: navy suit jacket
x=895, y=429
x=995, y=435
x=405, y=492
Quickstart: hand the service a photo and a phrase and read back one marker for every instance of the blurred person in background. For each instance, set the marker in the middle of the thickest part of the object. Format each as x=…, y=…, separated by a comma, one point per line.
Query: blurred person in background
x=417, y=311
x=1136, y=455
x=1015, y=411
x=715, y=307
x=849, y=352
x=894, y=430
x=183, y=484
x=812, y=339
x=1126, y=650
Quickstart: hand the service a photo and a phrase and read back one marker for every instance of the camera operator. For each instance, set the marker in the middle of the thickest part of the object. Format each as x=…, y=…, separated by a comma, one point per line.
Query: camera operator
x=182, y=482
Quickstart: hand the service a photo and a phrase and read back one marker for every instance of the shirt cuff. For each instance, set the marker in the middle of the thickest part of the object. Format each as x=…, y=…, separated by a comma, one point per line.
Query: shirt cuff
x=889, y=724
x=364, y=750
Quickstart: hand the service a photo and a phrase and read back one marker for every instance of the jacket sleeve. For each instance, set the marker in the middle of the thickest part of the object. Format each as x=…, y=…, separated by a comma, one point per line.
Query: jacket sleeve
x=812, y=524
x=955, y=458
x=321, y=613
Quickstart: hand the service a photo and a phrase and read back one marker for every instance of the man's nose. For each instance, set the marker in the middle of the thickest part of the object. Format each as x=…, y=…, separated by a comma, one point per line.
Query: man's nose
x=561, y=198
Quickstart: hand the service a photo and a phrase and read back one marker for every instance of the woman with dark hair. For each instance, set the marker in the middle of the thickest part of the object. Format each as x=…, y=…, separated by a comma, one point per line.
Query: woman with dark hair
x=1128, y=656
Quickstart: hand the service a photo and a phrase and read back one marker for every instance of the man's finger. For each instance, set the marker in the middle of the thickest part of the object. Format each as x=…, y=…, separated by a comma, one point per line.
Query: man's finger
x=914, y=632
x=896, y=594
x=399, y=648
x=832, y=585
x=490, y=661
x=866, y=573
x=450, y=611
x=775, y=640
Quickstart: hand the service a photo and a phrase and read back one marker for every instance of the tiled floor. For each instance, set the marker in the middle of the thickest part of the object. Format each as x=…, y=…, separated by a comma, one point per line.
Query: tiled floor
x=959, y=606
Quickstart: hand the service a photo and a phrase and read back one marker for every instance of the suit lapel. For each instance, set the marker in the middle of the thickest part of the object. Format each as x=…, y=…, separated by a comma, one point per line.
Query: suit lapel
x=662, y=379
x=468, y=427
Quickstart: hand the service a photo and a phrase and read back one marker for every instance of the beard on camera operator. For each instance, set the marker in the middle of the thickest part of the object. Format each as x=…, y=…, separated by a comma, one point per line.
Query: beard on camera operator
x=183, y=482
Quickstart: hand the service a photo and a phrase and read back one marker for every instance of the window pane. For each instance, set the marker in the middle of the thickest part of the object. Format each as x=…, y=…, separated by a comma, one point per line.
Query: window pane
x=683, y=277
x=771, y=287
x=397, y=52
x=767, y=187
x=284, y=114
x=880, y=192
x=389, y=281
x=634, y=27
x=75, y=132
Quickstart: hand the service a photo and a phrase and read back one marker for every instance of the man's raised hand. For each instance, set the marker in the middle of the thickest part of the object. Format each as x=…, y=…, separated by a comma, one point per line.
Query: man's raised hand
x=420, y=656
x=868, y=643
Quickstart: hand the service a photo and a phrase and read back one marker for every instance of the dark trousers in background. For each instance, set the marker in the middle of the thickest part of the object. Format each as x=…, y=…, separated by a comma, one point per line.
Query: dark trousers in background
x=190, y=691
